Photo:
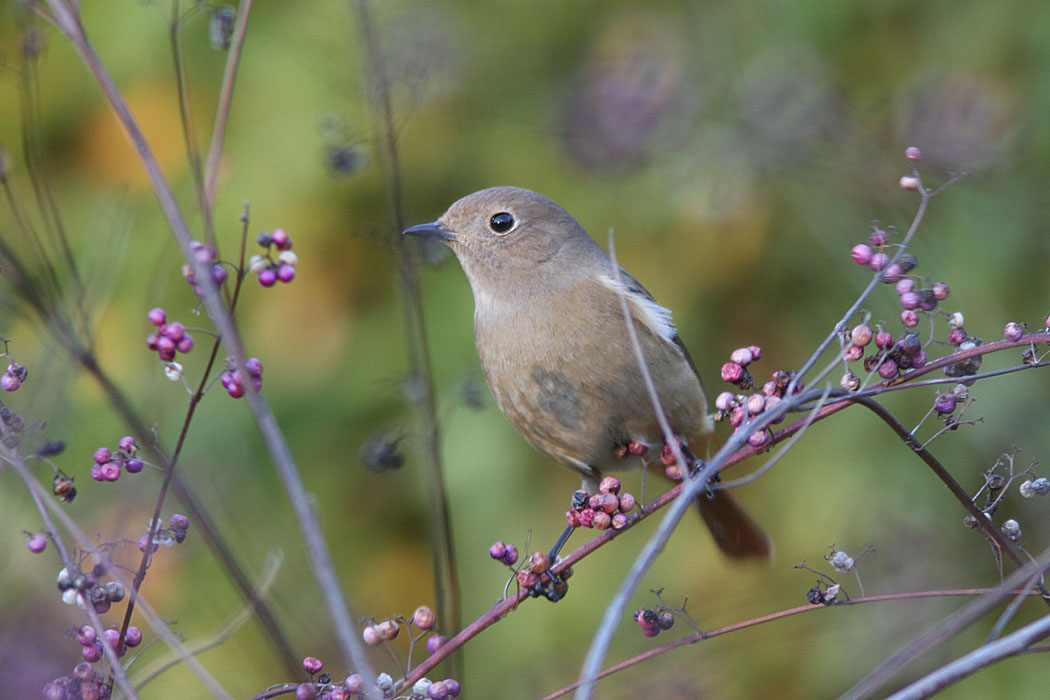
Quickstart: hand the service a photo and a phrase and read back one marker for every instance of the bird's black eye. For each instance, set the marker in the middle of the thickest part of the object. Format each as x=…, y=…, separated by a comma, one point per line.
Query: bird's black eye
x=502, y=222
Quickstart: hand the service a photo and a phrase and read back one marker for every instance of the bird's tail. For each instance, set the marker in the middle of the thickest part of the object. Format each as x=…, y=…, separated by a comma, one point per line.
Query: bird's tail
x=736, y=533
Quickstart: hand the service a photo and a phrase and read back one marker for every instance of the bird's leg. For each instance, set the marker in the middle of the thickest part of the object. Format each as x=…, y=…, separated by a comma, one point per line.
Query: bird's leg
x=553, y=586
x=695, y=465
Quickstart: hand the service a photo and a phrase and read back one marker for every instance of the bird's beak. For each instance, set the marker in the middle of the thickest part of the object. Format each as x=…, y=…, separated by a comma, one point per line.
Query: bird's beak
x=432, y=230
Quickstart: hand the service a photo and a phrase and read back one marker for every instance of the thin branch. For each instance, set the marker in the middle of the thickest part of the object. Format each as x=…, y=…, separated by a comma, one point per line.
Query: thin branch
x=446, y=581
x=772, y=617
x=222, y=115
x=945, y=629
x=353, y=650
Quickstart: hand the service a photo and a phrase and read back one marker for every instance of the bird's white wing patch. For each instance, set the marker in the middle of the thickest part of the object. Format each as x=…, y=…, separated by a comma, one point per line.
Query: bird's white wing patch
x=655, y=317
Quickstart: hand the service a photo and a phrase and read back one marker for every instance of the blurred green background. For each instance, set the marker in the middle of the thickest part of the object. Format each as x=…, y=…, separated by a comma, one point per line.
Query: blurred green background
x=739, y=150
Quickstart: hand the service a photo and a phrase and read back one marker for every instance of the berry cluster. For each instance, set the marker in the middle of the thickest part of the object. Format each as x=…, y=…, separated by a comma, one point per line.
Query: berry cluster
x=739, y=409
x=91, y=643
x=13, y=377
x=169, y=338
x=654, y=620
x=84, y=588
x=85, y=684
x=108, y=463
x=506, y=553
x=605, y=509
x=207, y=256
x=233, y=378
x=272, y=268
x=913, y=292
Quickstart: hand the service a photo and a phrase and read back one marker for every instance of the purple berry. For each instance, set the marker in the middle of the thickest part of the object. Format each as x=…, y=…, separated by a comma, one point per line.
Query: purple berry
x=888, y=369
x=133, y=465
x=175, y=331
x=37, y=543
x=128, y=444
x=86, y=635
x=102, y=455
x=945, y=404
x=9, y=382
x=218, y=274
x=133, y=637
x=878, y=261
x=110, y=471
x=1013, y=331
x=157, y=316
x=285, y=273
x=268, y=277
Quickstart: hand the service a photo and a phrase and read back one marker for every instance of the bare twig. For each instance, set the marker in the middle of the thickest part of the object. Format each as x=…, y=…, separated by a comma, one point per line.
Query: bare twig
x=946, y=628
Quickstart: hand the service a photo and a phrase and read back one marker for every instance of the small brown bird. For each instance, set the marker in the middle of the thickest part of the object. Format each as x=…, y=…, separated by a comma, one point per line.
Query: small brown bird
x=550, y=330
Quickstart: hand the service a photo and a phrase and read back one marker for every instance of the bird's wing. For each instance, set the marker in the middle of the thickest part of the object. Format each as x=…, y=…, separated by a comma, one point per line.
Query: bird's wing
x=657, y=318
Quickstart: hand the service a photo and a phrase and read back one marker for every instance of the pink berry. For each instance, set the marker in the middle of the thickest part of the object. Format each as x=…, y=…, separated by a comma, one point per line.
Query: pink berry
x=110, y=471
x=909, y=318
x=909, y=182
x=912, y=153
x=861, y=254
x=1013, y=331
x=586, y=517
x=883, y=340
x=144, y=543
x=909, y=300
x=306, y=691
x=37, y=543
x=96, y=472
x=601, y=520
x=731, y=372
x=619, y=521
x=878, y=237
x=759, y=438
x=175, y=331
x=424, y=617
x=861, y=335
x=497, y=550
x=9, y=382
x=905, y=285
x=609, y=484
x=888, y=369
x=957, y=336
x=878, y=261
x=725, y=401
x=627, y=502
x=157, y=316
x=127, y=444
x=102, y=455
x=893, y=273
x=854, y=353
x=940, y=291
x=281, y=239
x=312, y=665
x=371, y=636
x=742, y=357
x=355, y=682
